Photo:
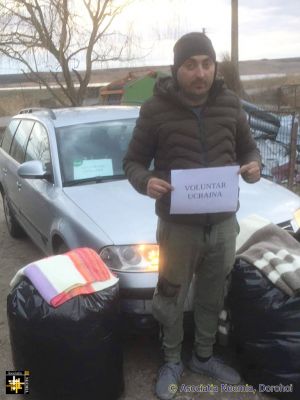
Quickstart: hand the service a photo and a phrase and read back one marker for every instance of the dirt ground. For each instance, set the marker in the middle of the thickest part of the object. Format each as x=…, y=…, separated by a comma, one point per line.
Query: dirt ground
x=142, y=354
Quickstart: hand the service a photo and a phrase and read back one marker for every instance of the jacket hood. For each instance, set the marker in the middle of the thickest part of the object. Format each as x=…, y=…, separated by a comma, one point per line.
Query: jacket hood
x=165, y=87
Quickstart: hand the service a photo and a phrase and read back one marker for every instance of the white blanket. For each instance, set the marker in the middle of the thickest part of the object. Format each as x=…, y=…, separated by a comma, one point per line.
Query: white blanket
x=273, y=251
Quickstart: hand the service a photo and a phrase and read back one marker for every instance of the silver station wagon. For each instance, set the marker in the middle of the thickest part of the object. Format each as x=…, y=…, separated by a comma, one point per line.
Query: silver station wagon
x=62, y=183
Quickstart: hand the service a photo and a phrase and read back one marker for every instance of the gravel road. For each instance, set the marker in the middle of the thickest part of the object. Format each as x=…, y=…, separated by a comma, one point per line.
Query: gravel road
x=142, y=354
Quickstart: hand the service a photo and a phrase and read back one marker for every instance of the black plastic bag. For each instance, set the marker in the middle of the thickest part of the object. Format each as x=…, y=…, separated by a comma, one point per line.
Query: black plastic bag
x=72, y=351
x=265, y=331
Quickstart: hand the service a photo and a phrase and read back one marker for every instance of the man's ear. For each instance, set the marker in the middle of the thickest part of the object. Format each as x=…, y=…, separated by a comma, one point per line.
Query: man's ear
x=174, y=74
x=173, y=71
x=216, y=69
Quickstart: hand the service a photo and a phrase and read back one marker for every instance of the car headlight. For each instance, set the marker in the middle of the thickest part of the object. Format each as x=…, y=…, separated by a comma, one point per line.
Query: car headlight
x=133, y=258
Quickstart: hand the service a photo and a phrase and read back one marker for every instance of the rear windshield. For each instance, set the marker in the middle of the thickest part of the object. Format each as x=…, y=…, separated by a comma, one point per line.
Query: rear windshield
x=93, y=151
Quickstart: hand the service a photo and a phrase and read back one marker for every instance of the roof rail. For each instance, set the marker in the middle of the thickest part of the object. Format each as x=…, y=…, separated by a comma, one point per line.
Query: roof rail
x=42, y=109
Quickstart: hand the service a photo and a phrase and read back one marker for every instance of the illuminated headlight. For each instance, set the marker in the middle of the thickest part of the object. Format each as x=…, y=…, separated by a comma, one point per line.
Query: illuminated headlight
x=135, y=258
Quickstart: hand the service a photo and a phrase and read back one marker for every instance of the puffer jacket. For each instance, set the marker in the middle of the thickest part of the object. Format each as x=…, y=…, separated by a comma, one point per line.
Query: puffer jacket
x=169, y=132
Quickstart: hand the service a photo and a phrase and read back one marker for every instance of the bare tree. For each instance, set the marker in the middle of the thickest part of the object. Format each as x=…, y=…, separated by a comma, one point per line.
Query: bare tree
x=229, y=72
x=65, y=35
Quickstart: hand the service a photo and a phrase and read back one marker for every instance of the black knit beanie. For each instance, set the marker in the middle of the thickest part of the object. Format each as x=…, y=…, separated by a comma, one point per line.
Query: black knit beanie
x=191, y=44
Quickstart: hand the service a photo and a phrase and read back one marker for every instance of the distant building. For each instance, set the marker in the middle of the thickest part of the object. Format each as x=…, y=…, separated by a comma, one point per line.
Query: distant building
x=131, y=89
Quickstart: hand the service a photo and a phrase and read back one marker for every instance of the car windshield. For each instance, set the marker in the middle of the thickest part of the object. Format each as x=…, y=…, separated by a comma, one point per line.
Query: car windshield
x=93, y=152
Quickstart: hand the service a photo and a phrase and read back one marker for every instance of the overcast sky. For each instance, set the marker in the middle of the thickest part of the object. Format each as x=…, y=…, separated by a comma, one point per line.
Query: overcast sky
x=267, y=28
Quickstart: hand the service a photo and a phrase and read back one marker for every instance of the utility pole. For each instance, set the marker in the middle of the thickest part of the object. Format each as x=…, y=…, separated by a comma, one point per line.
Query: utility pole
x=235, y=34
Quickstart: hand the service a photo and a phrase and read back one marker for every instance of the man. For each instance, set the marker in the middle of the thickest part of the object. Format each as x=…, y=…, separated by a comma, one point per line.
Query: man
x=192, y=121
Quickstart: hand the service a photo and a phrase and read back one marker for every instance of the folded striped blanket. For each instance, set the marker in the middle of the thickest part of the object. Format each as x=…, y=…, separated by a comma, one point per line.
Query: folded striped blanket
x=59, y=278
x=273, y=251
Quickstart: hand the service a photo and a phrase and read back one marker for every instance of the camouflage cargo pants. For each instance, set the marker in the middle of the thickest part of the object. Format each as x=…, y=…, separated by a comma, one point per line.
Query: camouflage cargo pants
x=185, y=250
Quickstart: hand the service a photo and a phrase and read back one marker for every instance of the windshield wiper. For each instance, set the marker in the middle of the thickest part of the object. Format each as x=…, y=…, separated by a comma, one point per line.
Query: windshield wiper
x=94, y=179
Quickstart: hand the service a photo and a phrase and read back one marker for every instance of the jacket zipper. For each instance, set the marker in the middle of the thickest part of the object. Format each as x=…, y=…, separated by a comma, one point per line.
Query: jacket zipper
x=207, y=225
x=201, y=135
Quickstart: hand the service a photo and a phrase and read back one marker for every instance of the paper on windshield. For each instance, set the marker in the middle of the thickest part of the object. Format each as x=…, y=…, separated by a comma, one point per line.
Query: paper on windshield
x=91, y=168
x=204, y=190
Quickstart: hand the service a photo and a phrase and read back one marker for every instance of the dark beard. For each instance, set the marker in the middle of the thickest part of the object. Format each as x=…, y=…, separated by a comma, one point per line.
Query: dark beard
x=194, y=99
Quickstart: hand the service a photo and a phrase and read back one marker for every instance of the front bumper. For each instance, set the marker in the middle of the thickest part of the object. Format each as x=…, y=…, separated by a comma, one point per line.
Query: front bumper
x=137, y=290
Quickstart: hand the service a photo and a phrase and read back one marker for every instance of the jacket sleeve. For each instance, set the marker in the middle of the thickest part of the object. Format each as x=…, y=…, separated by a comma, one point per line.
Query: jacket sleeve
x=141, y=151
x=246, y=148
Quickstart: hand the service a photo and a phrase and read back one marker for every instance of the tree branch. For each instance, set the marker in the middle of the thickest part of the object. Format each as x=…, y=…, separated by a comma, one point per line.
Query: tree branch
x=31, y=30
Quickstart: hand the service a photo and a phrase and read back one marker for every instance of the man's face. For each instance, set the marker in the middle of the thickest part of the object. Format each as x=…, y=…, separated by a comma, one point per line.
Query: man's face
x=195, y=76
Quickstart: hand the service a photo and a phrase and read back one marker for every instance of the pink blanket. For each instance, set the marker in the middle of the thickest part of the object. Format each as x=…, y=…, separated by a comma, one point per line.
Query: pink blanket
x=59, y=278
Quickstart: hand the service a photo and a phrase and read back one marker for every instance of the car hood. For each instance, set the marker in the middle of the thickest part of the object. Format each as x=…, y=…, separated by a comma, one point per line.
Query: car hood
x=128, y=217
x=124, y=215
x=268, y=200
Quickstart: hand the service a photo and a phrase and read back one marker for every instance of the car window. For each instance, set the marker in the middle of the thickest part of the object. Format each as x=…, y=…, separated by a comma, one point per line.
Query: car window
x=93, y=150
x=19, y=142
x=38, y=145
x=8, y=134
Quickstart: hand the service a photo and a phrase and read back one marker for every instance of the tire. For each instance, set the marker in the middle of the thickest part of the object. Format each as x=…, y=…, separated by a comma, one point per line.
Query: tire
x=14, y=228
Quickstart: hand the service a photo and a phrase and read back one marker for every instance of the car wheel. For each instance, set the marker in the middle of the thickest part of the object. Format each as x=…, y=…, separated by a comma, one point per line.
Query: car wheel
x=14, y=228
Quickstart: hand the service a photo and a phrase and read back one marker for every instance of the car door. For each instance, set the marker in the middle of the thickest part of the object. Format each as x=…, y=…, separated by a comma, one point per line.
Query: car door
x=4, y=150
x=38, y=194
x=12, y=185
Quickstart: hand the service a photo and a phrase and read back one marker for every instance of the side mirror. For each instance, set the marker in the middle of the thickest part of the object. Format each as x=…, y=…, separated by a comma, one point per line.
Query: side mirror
x=33, y=170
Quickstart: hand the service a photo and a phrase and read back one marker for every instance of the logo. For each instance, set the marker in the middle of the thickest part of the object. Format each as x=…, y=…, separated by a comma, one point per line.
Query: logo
x=17, y=382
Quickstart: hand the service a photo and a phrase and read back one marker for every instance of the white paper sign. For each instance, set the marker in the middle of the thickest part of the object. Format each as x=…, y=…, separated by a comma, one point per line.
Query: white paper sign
x=90, y=168
x=204, y=190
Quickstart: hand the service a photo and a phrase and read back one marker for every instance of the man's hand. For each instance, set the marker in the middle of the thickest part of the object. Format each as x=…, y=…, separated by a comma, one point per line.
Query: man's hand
x=156, y=188
x=250, y=172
